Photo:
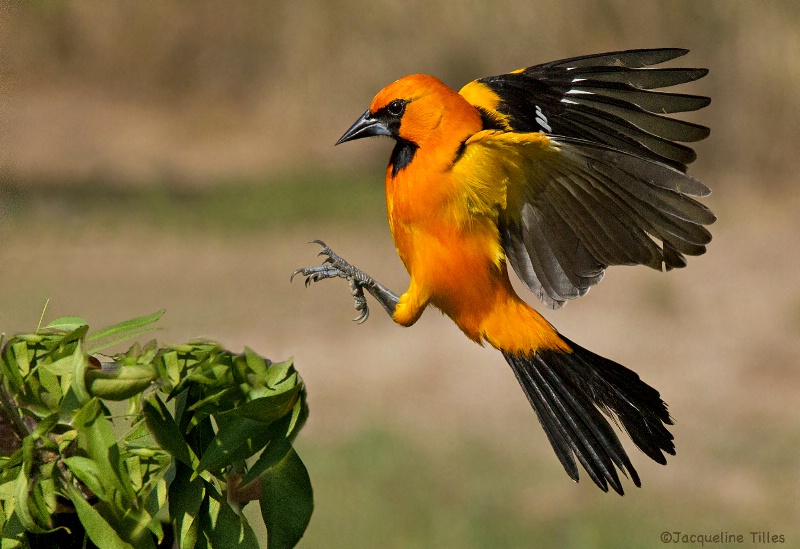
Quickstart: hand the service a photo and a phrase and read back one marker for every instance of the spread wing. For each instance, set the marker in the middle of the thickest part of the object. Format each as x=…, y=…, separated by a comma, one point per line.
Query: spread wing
x=573, y=207
x=602, y=181
x=605, y=98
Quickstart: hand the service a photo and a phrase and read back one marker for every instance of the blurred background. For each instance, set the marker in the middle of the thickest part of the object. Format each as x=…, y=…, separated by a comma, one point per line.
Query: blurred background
x=180, y=155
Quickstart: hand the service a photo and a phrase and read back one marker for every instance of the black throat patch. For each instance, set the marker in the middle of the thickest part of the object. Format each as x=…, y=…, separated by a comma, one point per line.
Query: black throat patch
x=402, y=155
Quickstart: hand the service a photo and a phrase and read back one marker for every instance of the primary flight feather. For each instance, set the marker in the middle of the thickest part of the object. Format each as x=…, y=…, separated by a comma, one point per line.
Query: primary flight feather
x=560, y=170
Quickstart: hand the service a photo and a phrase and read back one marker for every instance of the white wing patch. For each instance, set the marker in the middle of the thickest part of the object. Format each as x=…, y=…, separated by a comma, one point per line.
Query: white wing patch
x=541, y=119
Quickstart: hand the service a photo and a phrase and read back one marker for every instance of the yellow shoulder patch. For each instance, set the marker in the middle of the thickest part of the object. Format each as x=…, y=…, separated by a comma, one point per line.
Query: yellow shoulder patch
x=482, y=97
x=500, y=138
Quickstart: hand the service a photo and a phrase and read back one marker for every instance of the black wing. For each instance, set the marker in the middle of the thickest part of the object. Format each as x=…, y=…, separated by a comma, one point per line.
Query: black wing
x=573, y=207
x=605, y=98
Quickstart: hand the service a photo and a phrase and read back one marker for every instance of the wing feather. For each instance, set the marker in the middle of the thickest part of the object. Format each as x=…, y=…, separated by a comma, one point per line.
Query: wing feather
x=623, y=135
x=609, y=185
x=629, y=58
x=605, y=98
x=574, y=207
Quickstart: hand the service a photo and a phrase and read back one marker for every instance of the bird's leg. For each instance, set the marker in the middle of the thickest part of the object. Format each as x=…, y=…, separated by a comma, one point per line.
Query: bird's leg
x=334, y=266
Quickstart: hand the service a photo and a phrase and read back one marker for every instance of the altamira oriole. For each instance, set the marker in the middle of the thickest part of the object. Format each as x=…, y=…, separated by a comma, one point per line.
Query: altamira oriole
x=559, y=170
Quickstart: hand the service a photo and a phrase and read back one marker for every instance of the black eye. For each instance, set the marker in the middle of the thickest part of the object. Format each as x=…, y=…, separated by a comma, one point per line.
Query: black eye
x=396, y=107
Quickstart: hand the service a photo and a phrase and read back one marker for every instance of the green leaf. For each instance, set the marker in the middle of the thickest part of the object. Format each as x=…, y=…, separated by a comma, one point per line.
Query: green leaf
x=223, y=528
x=197, y=427
x=42, y=496
x=237, y=440
x=278, y=372
x=119, y=339
x=122, y=331
x=120, y=383
x=80, y=363
x=287, y=501
x=12, y=461
x=96, y=438
x=25, y=508
x=275, y=451
x=218, y=375
x=299, y=416
x=172, y=366
x=139, y=431
x=156, y=500
x=17, y=362
x=22, y=507
x=45, y=425
x=211, y=403
x=51, y=396
x=75, y=335
x=126, y=326
x=62, y=366
x=66, y=324
x=255, y=362
x=88, y=473
x=8, y=490
x=97, y=528
x=134, y=467
x=185, y=499
x=266, y=409
x=13, y=534
x=66, y=439
x=164, y=429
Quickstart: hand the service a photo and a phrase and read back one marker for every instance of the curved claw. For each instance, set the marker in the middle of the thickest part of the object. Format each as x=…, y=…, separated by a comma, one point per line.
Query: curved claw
x=334, y=266
x=325, y=249
x=362, y=318
x=360, y=301
x=307, y=272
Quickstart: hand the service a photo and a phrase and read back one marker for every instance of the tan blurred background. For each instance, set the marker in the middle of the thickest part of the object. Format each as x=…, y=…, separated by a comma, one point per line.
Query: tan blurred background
x=179, y=155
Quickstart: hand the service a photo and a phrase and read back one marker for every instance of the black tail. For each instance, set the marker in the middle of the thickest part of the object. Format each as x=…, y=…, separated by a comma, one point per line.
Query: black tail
x=569, y=391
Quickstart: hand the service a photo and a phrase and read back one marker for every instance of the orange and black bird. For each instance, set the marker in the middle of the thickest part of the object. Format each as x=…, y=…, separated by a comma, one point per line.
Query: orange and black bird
x=559, y=170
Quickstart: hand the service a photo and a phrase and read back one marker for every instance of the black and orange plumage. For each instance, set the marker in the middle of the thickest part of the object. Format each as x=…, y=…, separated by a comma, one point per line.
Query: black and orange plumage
x=560, y=170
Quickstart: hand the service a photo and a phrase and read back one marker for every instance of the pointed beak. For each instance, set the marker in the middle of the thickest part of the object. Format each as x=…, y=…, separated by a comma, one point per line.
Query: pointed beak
x=366, y=126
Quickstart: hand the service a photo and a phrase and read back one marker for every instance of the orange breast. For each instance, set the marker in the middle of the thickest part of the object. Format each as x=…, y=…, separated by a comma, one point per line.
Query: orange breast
x=454, y=259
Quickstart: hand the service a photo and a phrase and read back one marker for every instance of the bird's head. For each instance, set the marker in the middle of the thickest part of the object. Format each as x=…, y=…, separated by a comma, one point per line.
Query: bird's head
x=413, y=109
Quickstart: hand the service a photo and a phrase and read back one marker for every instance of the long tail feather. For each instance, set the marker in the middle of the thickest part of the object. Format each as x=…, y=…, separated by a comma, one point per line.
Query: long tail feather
x=569, y=390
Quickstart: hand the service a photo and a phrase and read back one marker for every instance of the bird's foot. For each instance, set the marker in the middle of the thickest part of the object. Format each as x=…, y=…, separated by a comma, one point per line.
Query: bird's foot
x=335, y=267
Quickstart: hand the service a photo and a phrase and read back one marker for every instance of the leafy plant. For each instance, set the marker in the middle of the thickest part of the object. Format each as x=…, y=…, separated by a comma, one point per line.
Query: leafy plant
x=205, y=432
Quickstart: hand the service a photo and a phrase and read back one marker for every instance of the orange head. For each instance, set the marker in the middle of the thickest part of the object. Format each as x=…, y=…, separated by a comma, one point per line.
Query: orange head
x=418, y=110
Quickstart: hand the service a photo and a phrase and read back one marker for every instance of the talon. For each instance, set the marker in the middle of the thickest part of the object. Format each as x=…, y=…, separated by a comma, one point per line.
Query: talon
x=363, y=308
x=334, y=266
x=295, y=273
x=362, y=318
x=325, y=249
